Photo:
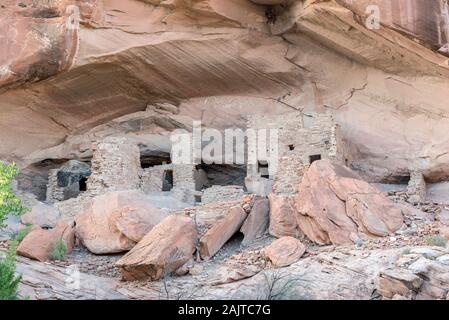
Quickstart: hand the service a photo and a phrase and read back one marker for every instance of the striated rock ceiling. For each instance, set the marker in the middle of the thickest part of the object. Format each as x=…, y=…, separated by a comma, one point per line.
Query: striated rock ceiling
x=143, y=68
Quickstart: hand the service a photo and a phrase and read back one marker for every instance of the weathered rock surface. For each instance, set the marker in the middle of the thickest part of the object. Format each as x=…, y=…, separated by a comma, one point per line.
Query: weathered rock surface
x=50, y=46
x=44, y=281
x=284, y=251
x=444, y=231
x=103, y=226
x=335, y=206
x=221, y=232
x=398, y=282
x=421, y=274
x=12, y=227
x=411, y=17
x=40, y=243
x=166, y=248
x=343, y=274
x=256, y=223
x=135, y=222
x=42, y=215
x=282, y=216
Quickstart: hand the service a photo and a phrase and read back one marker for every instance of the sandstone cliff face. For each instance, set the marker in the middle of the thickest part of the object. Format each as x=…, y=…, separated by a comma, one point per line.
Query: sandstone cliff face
x=423, y=20
x=62, y=87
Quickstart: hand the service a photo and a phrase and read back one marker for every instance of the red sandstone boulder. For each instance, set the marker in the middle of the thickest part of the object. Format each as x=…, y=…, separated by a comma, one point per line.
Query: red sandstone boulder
x=256, y=224
x=283, y=216
x=335, y=206
x=42, y=215
x=135, y=222
x=30, y=54
x=221, y=232
x=39, y=244
x=284, y=251
x=166, y=248
x=115, y=221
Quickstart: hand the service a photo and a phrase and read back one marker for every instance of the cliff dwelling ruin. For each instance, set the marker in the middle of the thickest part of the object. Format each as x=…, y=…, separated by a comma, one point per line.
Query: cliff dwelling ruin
x=117, y=163
x=303, y=139
x=335, y=112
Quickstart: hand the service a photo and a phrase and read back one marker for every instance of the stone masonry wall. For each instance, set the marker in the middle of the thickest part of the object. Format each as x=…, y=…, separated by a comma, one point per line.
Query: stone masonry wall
x=153, y=178
x=54, y=193
x=416, y=188
x=301, y=136
x=184, y=180
x=222, y=193
x=64, y=182
x=115, y=166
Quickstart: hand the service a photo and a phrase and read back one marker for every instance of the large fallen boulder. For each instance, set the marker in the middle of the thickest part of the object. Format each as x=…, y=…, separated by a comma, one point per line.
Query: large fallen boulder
x=284, y=251
x=221, y=232
x=335, y=206
x=166, y=248
x=115, y=221
x=283, y=216
x=42, y=215
x=256, y=224
x=135, y=222
x=40, y=243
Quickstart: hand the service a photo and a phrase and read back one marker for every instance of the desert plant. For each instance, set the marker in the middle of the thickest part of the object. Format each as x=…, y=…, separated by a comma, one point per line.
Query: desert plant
x=278, y=285
x=23, y=233
x=437, y=241
x=9, y=202
x=9, y=282
x=59, y=251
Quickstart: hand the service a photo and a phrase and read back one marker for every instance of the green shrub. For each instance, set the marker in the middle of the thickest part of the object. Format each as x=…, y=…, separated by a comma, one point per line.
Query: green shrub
x=23, y=233
x=9, y=202
x=437, y=241
x=9, y=282
x=59, y=251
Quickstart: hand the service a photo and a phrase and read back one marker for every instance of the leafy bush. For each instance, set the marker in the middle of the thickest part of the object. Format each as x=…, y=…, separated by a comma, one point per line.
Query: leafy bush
x=9, y=282
x=59, y=251
x=9, y=202
x=437, y=241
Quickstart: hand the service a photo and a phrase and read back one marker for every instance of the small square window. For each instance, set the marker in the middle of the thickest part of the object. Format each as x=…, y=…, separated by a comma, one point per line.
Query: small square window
x=263, y=169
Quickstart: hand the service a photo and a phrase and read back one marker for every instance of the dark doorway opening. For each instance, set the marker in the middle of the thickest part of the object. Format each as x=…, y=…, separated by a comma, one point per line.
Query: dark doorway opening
x=149, y=161
x=83, y=184
x=220, y=175
x=314, y=158
x=168, y=180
